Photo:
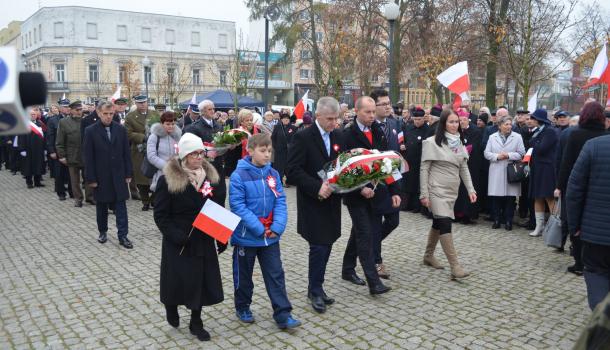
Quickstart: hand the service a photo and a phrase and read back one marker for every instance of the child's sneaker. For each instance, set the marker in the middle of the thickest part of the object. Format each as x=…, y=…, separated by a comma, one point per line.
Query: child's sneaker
x=289, y=324
x=245, y=316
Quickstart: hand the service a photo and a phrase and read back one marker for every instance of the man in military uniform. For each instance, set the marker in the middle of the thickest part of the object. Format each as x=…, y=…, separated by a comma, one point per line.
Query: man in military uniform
x=190, y=116
x=60, y=171
x=68, y=145
x=414, y=135
x=160, y=107
x=120, y=105
x=136, y=123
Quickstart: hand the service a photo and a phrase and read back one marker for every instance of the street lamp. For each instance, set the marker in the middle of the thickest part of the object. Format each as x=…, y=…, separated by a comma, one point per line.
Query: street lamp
x=391, y=11
x=272, y=13
x=146, y=64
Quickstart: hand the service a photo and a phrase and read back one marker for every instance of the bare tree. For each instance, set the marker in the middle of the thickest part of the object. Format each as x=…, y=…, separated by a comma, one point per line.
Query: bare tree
x=174, y=79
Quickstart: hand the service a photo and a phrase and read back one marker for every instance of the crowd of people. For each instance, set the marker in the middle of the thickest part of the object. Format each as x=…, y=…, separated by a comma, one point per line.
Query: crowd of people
x=460, y=164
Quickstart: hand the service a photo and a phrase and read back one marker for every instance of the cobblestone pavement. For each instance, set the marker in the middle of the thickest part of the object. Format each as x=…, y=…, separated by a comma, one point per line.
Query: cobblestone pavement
x=60, y=289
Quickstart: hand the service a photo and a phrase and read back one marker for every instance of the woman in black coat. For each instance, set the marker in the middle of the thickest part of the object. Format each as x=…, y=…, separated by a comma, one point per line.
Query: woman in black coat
x=31, y=148
x=592, y=123
x=190, y=277
x=542, y=167
x=281, y=139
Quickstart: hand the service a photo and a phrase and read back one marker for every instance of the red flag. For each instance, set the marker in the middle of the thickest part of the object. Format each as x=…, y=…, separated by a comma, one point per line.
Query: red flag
x=216, y=221
x=455, y=78
x=300, y=108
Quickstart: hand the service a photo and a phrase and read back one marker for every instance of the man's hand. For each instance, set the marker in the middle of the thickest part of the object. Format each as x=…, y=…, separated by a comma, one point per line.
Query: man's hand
x=425, y=202
x=63, y=161
x=403, y=147
x=395, y=201
x=325, y=191
x=367, y=193
x=23, y=153
x=53, y=155
x=93, y=185
x=128, y=180
x=270, y=234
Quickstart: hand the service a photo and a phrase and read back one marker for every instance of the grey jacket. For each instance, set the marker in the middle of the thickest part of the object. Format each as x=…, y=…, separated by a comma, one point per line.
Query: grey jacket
x=168, y=146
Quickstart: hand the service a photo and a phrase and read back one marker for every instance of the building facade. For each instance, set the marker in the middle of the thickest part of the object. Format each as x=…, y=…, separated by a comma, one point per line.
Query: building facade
x=87, y=53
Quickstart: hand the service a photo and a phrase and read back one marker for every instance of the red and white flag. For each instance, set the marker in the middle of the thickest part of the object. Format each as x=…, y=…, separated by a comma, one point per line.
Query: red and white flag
x=116, y=95
x=528, y=155
x=300, y=108
x=401, y=137
x=600, y=69
x=455, y=78
x=216, y=221
x=395, y=176
x=37, y=130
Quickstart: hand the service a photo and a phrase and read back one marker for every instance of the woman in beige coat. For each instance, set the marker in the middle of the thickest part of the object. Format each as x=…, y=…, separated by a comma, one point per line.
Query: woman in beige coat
x=444, y=161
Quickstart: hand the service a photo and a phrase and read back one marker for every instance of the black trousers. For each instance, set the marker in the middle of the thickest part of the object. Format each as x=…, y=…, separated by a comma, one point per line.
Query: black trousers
x=524, y=199
x=503, y=208
x=360, y=243
x=62, y=178
x=318, y=259
x=383, y=226
x=37, y=179
x=14, y=160
x=4, y=155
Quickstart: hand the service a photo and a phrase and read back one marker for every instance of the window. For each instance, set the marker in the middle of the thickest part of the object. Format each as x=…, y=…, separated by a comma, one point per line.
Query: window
x=91, y=30
x=147, y=75
x=305, y=54
x=319, y=37
x=35, y=36
x=196, y=80
x=222, y=41
x=170, y=36
x=58, y=30
x=60, y=72
x=195, y=39
x=171, y=75
x=121, y=33
x=40, y=32
x=94, y=74
x=145, y=35
x=222, y=74
x=122, y=74
x=304, y=73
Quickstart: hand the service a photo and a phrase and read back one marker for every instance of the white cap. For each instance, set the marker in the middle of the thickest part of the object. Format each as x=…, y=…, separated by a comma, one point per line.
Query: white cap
x=189, y=143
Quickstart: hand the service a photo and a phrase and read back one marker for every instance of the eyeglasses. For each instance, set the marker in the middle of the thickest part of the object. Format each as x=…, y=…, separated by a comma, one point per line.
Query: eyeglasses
x=197, y=154
x=384, y=104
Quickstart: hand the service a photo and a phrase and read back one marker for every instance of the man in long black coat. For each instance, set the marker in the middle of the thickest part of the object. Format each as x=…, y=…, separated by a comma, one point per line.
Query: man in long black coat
x=318, y=210
x=108, y=170
x=31, y=148
x=205, y=127
x=364, y=133
x=281, y=137
x=414, y=135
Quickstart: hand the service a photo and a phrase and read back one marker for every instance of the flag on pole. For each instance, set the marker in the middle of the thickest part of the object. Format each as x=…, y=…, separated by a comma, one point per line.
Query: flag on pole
x=600, y=68
x=300, y=108
x=116, y=95
x=63, y=97
x=216, y=221
x=455, y=78
x=532, y=104
x=194, y=98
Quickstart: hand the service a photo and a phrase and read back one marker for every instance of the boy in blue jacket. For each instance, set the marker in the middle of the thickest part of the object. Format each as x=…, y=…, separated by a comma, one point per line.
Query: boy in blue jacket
x=256, y=195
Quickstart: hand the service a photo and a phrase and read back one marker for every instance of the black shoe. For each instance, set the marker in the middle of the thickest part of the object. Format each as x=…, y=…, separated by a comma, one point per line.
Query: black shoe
x=327, y=300
x=126, y=243
x=30, y=186
x=496, y=225
x=78, y=203
x=62, y=198
x=318, y=304
x=39, y=185
x=577, y=270
x=508, y=226
x=379, y=289
x=352, y=277
x=197, y=330
x=559, y=250
x=145, y=207
x=102, y=238
x=171, y=315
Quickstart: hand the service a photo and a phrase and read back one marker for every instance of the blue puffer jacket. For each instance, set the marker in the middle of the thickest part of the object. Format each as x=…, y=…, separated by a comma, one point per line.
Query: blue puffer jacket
x=588, y=193
x=251, y=198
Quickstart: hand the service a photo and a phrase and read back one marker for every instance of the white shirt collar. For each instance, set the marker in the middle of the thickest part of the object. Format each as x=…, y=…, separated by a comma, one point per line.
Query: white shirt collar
x=322, y=132
x=362, y=127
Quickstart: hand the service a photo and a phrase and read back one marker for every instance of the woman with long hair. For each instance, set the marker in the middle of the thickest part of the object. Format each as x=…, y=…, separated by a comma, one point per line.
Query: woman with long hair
x=444, y=163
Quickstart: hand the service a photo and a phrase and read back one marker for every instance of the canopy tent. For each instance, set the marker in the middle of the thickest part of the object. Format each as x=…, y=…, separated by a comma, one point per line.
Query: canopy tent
x=224, y=99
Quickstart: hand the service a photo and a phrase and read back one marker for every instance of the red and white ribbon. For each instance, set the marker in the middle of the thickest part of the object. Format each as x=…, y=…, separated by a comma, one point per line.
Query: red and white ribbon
x=272, y=185
x=366, y=158
x=36, y=130
x=206, y=189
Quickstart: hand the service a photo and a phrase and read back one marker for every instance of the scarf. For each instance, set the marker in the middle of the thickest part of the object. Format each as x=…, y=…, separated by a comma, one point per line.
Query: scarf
x=196, y=177
x=453, y=141
x=504, y=137
x=538, y=130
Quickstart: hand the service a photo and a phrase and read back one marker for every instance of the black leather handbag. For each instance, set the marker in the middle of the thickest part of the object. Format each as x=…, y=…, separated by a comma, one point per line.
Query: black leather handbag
x=516, y=172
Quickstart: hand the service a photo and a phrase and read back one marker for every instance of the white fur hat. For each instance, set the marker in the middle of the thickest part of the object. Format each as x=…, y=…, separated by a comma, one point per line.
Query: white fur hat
x=189, y=143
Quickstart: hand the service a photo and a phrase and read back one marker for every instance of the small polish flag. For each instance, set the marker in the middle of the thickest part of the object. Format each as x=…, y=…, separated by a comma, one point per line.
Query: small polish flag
x=216, y=221
x=300, y=108
x=455, y=78
x=401, y=137
x=528, y=155
x=116, y=95
x=395, y=176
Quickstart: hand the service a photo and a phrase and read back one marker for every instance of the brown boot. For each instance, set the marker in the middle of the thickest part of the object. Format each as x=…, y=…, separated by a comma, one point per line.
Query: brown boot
x=429, y=258
x=456, y=270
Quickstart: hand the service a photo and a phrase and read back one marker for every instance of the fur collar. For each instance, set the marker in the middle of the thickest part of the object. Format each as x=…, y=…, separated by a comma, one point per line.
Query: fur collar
x=177, y=179
x=159, y=130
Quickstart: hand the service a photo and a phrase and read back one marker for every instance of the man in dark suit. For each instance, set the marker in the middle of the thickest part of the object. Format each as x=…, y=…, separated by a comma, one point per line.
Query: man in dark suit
x=282, y=138
x=205, y=127
x=318, y=209
x=108, y=170
x=386, y=216
x=364, y=133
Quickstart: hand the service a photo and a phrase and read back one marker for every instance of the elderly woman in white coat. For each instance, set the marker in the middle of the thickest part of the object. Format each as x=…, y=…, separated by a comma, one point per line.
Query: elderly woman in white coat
x=503, y=147
x=162, y=144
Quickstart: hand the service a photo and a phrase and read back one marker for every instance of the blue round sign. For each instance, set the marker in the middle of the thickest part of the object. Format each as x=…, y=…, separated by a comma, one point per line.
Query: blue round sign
x=7, y=121
x=3, y=73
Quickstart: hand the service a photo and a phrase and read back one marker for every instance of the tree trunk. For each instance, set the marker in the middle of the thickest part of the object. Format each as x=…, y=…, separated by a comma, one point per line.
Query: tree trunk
x=316, y=50
x=494, y=48
x=516, y=98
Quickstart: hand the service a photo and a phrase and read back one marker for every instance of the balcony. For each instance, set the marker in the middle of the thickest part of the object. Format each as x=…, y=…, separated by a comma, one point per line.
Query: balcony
x=56, y=86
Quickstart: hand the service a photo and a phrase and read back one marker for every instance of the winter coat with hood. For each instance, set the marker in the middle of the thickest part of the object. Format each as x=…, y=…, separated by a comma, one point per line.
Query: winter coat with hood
x=251, y=198
x=159, y=155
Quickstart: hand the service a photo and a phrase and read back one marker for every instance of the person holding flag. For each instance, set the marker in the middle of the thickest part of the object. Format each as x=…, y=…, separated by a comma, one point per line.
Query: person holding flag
x=190, y=273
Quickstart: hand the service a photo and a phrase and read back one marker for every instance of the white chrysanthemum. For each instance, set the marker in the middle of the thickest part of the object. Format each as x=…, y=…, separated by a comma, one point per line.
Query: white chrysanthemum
x=387, y=166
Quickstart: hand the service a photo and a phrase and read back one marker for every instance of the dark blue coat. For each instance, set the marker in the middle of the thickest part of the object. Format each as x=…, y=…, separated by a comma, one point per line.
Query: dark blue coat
x=588, y=193
x=107, y=162
x=542, y=165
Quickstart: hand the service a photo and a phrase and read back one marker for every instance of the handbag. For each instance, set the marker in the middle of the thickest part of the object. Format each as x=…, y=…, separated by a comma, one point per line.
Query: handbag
x=146, y=167
x=552, y=234
x=516, y=171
